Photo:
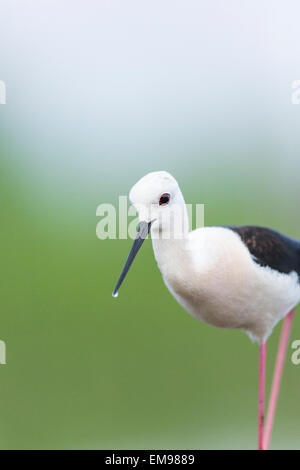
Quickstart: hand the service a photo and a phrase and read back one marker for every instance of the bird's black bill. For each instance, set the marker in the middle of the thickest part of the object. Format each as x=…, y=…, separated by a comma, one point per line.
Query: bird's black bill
x=142, y=233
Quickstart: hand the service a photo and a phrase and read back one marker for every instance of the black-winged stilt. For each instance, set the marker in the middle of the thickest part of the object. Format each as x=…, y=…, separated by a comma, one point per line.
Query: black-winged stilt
x=230, y=277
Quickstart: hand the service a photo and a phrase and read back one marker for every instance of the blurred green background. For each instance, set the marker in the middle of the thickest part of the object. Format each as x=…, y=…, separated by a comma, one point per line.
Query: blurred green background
x=98, y=94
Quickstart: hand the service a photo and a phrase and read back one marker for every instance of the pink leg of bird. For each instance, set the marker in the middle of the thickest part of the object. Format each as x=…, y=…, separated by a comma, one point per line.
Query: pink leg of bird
x=277, y=376
x=261, y=394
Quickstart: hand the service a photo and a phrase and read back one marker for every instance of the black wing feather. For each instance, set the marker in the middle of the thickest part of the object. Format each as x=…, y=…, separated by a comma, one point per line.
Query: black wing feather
x=270, y=248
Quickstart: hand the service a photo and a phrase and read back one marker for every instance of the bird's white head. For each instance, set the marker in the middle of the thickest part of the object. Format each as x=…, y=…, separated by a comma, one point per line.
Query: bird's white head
x=159, y=201
x=161, y=209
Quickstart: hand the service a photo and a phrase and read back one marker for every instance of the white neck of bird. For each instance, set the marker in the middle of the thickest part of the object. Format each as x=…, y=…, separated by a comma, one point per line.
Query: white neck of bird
x=169, y=240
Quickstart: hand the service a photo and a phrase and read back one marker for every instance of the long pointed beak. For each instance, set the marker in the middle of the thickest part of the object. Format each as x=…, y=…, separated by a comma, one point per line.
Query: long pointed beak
x=142, y=233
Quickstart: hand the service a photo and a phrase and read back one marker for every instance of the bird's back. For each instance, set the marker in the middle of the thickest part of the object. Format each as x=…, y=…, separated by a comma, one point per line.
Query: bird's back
x=271, y=248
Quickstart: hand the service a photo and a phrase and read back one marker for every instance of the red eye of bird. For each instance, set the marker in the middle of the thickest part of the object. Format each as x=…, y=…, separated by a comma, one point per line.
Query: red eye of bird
x=164, y=199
